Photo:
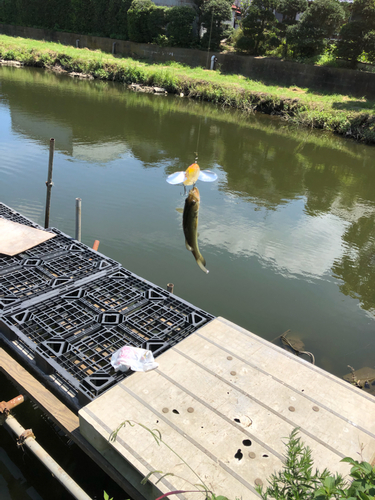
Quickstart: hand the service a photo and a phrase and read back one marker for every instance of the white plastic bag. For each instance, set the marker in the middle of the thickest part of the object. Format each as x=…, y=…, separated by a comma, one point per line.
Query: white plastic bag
x=138, y=360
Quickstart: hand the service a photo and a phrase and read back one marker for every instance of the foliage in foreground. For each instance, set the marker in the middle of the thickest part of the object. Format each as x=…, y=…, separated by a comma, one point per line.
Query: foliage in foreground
x=297, y=481
x=201, y=487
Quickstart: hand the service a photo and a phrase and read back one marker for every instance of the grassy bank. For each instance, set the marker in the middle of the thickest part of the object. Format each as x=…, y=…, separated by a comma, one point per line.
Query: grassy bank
x=347, y=116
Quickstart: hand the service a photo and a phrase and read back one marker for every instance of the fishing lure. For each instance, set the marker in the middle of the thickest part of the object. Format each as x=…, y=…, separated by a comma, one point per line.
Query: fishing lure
x=191, y=175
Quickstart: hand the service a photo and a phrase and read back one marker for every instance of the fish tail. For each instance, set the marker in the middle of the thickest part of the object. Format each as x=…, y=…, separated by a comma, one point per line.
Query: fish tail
x=202, y=264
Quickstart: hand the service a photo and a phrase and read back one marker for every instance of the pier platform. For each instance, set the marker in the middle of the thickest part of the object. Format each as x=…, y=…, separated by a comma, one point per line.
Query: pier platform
x=225, y=400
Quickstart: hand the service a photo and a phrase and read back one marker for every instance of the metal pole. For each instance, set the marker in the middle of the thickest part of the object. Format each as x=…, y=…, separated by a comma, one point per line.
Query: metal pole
x=170, y=287
x=49, y=182
x=114, y=48
x=27, y=438
x=78, y=218
x=209, y=40
x=6, y=406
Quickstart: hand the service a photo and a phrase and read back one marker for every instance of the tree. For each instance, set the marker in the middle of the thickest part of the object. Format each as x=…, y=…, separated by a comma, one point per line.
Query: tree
x=358, y=35
x=213, y=15
x=290, y=8
x=260, y=25
x=320, y=21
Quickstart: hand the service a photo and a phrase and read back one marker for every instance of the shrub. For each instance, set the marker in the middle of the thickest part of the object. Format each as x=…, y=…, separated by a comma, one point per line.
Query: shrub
x=180, y=26
x=157, y=20
x=138, y=21
x=241, y=42
x=81, y=16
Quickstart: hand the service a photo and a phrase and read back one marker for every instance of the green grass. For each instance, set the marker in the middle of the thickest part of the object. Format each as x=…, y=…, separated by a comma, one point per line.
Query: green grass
x=345, y=115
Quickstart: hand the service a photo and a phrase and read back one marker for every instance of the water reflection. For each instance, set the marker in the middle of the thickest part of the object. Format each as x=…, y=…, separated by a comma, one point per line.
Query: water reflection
x=288, y=204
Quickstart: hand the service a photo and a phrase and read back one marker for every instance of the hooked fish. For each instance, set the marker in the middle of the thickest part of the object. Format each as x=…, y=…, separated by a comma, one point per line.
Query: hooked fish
x=190, y=226
x=191, y=175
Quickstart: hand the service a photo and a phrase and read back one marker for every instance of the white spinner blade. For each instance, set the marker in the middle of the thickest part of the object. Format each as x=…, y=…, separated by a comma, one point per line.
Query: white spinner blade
x=176, y=178
x=207, y=176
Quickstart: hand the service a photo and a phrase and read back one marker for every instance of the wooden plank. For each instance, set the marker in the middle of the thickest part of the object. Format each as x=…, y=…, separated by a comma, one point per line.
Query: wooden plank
x=17, y=238
x=61, y=415
x=52, y=406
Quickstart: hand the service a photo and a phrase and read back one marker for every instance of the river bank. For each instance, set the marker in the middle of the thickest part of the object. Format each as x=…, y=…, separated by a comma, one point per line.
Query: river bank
x=350, y=117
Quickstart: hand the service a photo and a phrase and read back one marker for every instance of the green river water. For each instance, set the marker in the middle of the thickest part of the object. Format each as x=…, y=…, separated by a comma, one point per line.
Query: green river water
x=287, y=230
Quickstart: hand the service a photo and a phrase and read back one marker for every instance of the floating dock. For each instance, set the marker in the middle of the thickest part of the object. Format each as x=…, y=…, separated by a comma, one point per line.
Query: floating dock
x=223, y=400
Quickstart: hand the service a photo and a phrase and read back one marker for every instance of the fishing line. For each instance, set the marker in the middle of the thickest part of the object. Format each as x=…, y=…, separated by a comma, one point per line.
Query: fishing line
x=199, y=134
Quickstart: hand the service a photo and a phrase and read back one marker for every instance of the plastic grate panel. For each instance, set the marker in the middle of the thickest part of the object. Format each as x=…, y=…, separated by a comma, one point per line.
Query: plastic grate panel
x=112, y=295
x=179, y=307
x=154, y=320
x=10, y=214
x=23, y=282
x=52, y=318
x=59, y=243
x=8, y=261
x=72, y=265
x=86, y=362
x=91, y=354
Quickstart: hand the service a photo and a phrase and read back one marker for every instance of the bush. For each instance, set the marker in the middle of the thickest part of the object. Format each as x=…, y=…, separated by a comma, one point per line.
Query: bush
x=180, y=26
x=81, y=16
x=138, y=21
x=157, y=20
x=243, y=43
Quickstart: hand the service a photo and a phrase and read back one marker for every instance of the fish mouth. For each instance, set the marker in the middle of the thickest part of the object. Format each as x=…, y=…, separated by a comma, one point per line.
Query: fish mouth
x=194, y=195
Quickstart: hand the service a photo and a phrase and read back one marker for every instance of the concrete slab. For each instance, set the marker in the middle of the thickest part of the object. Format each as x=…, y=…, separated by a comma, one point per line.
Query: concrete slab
x=224, y=401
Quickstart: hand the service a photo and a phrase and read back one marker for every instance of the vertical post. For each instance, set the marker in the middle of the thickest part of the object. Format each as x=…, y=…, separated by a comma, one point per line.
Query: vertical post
x=209, y=40
x=77, y=44
x=49, y=182
x=78, y=218
x=170, y=287
x=114, y=48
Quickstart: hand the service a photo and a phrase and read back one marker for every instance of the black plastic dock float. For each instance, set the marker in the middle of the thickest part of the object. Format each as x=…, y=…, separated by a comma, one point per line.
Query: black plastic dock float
x=65, y=309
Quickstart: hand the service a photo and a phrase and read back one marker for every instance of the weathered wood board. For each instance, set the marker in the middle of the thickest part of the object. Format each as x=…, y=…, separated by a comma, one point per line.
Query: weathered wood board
x=225, y=401
x=16, y=238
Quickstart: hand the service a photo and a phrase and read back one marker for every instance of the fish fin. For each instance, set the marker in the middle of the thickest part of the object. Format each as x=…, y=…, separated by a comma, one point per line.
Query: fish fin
x=207, y=176
x=180, y=210
x=176, y=178
x=188, y=246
